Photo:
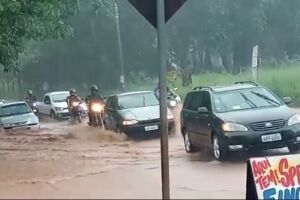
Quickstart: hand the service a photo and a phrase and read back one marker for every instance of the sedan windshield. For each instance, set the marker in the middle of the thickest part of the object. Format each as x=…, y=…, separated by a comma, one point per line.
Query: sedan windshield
x=137, y=100
x=60, y=97
x=16, y=109
x=244, y=99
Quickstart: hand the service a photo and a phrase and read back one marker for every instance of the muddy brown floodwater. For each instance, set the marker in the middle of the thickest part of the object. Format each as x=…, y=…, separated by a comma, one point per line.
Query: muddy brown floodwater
x=77, y=161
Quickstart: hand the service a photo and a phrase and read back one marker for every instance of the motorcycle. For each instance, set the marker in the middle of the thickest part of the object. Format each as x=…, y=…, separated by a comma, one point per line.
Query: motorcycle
x=33, y=106
x=96, y=111
x=77, y=111
x=173, y=99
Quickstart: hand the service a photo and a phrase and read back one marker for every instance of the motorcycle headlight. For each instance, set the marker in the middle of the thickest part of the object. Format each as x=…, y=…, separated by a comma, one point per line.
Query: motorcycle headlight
x=233, y=127
x=172, y=103
x=295, y=119
x=59, y=108
x=97, y=108
x=75, y=104
x=129, y=122
x=34, y=104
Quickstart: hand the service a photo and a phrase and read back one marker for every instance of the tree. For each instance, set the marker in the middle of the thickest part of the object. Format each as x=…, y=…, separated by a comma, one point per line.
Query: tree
x=24, y=20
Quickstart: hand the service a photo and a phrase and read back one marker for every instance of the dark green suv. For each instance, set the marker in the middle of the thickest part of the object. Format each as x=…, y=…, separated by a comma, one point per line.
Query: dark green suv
x=240, y=117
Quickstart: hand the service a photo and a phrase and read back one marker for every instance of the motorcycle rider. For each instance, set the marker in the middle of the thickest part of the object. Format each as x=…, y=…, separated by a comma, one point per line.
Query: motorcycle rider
x=31, y=99
x=156, y=91
x=71, y=99
x=93, y=96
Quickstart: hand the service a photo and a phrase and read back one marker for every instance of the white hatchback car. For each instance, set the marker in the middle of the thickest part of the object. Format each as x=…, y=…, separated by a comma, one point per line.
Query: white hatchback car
x=55, y=105
x=17, y=115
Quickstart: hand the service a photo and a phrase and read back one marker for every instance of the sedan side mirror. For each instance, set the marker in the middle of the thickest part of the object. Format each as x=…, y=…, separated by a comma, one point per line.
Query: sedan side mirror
x=287, y=100
x=202, y=110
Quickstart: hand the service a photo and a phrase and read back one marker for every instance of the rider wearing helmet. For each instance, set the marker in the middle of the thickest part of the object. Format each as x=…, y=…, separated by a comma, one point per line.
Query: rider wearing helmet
x=72, y=98
x=93, y=96
x=30, y=97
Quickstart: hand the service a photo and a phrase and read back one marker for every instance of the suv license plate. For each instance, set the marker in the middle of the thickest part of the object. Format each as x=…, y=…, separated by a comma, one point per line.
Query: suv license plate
x=151, y=128
x=271, y=137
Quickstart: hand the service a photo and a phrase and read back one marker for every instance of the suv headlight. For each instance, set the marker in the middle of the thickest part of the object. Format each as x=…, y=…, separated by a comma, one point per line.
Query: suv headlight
x=129, y=122
x=233, y=127
x=295, y=119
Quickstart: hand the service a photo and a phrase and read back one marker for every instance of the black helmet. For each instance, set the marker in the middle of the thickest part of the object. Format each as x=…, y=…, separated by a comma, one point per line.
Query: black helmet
x=29, y=92
x=94, y=88
x=72, y=91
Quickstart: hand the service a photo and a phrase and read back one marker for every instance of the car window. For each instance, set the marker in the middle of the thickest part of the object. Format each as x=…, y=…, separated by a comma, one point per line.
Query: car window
x=204, y=100
x=15, y=109
x=137, y=100
x=46, y=99
x=110, y=102
x=245, y=99
x=188, y=101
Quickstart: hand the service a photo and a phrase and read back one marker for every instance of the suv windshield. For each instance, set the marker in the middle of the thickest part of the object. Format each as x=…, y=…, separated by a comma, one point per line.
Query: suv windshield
x=60, y=97
x=137, y=101
x=244, y=99
x=16, y=109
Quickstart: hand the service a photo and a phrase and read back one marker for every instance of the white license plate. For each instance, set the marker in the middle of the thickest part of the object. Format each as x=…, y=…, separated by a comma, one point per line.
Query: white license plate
x=271, y=137
x=151, y=128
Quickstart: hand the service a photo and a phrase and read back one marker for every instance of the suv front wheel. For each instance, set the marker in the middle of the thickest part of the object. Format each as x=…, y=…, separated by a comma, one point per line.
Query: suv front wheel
x=219, y=150
x=189, y=147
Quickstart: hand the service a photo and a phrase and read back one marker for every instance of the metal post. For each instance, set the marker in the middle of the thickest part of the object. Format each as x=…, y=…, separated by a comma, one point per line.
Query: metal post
x=163, y=100
x=120, y=48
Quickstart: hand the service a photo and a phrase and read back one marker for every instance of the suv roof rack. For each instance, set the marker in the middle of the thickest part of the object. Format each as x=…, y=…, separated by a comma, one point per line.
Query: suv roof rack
x=203, y=87
x=247, y=82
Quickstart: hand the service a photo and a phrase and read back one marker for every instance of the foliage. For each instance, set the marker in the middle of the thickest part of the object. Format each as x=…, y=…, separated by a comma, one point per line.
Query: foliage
x=24, y=20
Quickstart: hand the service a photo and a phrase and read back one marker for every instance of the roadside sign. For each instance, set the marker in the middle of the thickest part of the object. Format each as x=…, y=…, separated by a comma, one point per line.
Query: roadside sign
x=254, y=66
x=276, y=177
x=148, y=9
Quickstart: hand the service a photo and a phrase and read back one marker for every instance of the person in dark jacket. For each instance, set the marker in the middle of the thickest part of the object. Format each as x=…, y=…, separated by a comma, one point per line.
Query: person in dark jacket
x=93, y=96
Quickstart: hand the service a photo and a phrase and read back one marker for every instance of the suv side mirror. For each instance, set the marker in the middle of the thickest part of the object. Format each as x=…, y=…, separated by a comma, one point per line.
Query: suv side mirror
x=202, y=110
x=287, y=100
x=47, y=102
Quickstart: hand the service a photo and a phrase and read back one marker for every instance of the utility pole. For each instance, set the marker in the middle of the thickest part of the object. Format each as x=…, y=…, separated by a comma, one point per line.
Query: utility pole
x=120, y=48
x=161, y=35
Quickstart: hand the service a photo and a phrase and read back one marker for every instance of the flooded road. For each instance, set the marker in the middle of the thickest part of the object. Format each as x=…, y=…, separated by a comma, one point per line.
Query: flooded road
x=76, y=161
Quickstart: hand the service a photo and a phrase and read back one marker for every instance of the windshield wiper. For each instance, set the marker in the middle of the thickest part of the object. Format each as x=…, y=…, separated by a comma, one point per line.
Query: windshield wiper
x=266, y=98
x=248, y=101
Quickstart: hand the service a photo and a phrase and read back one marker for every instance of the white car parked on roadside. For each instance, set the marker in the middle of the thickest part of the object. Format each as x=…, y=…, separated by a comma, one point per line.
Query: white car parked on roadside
x=55, y=105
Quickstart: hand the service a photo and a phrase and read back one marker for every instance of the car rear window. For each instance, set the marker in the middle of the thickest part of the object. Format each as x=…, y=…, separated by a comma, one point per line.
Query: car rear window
x=137, y=100
x=15, y=109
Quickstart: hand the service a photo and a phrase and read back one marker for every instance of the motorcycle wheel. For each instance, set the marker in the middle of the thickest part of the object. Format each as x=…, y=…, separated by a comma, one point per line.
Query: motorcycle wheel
x=79, y=118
